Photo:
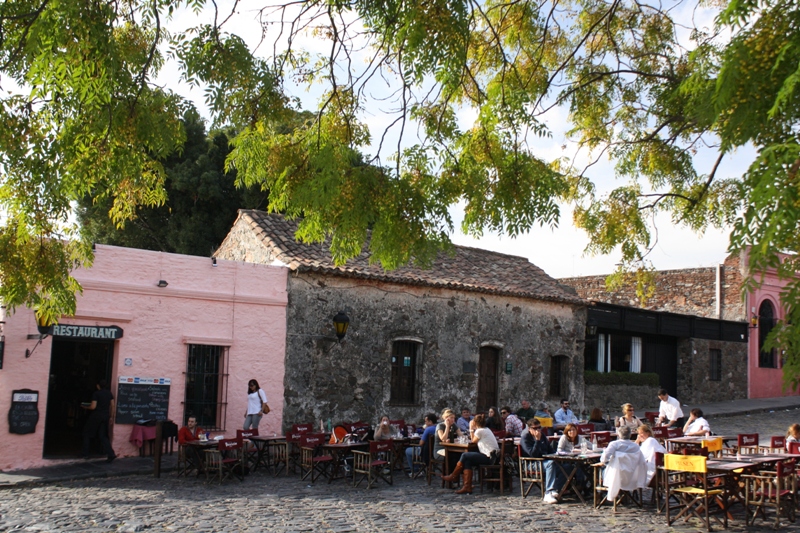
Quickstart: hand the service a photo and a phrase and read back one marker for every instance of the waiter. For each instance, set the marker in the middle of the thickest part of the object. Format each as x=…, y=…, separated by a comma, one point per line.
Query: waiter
x=97, y=425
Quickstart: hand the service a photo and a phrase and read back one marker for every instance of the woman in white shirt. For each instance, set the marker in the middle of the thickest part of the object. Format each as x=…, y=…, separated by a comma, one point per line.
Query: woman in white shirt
x=487, y=454
x=696, y=425
x=649, y=447
x=256, y=398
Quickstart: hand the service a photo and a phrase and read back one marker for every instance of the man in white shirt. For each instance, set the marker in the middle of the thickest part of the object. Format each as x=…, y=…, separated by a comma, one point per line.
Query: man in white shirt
x=669, y=412
x=564, y=415
x=696, y=425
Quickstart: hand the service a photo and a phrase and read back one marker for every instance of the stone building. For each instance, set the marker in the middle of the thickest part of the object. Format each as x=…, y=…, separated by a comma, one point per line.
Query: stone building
x=476, y=329
x=721, y=354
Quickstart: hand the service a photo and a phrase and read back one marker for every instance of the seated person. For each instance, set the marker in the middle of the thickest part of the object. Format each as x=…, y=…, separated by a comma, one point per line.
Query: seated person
x=424, y=442
x=494, y=421
x=513, y=425
x=649, y=447
x=543, y=411
x=628, y=418
x=792, y=434
x=564, y=415
x=190, y=431
x=487, y=454
x=696, y=425
x=446, y=431
x=555, y=478
x=526, y=412
x=383, y=431
x=463, y=422
x=534, y=443
x=597, y=419
x=626, y=468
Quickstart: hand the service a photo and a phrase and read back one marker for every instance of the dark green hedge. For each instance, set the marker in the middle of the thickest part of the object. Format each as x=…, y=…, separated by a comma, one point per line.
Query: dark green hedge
x=591, y=377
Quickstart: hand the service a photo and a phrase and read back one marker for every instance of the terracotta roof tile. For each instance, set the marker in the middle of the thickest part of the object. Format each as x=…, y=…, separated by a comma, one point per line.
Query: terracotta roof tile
x=469, y=269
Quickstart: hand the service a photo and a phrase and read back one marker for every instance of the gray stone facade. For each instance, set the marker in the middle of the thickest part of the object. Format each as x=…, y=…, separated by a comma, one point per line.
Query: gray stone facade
x=350, y=380
x=610, y=399
x=695, y=385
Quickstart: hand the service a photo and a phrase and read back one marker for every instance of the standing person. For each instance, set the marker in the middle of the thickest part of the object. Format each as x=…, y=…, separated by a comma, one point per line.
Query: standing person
x=463, y=422
x=256, y=400
x=487, y=454
x=526, y=412
x=669, y=412
x=514, y=425
x=99, y=420
x=564, y=415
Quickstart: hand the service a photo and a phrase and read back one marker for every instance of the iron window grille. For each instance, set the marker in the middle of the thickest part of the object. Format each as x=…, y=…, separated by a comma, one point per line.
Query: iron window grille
x=206, y=392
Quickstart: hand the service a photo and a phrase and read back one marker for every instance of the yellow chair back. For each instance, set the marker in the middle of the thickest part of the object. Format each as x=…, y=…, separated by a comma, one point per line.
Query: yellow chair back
x=713, y=445
x=545, y=421
x=685, y=463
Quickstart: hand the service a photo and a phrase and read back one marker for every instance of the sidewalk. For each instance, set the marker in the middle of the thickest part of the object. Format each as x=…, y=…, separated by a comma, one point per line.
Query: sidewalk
x=127, y=466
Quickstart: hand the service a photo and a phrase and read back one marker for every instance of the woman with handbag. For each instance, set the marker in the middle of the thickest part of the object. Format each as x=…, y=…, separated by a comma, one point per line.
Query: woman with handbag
x=256, y=405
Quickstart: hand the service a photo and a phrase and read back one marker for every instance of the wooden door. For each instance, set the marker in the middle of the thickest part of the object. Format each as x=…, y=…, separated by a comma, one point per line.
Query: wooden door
x=487, y=378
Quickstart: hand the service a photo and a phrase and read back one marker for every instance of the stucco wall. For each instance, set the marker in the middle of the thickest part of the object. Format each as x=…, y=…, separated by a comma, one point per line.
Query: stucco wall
x=694, y=367
x=351, y=380
x=239, y=305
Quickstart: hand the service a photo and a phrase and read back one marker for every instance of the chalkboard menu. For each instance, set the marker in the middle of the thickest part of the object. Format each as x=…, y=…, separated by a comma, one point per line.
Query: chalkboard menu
x=142, y=399
x=24, y=413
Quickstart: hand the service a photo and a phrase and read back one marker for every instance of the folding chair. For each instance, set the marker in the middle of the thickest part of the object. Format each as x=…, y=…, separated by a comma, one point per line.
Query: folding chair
x=674, y=433
x=793, y=448
x=411, y=430
x=601, y=438
x=398, y=424
x=435, y=464
x=584, y=430
x=714, y=446
x=501, y=471
x=373, y=465
x=776, y=445
x=188, y=460
x=775, y=490
x=249, y=452
x=531, y=471
x=225, y=461
x=600, y=493
x=547, y=424
x=419, y=460
x=312, y=461
x=745, y=443
x=693, y=491
x=651, y=417
x=660, y=434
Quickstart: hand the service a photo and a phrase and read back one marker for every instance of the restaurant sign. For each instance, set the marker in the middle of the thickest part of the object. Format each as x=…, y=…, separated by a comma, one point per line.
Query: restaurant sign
x=87, y=332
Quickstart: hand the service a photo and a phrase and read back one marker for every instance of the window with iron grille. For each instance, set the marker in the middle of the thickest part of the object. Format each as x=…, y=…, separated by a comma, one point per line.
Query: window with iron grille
x=404, y=372
x=715, y=374
x=206, y=385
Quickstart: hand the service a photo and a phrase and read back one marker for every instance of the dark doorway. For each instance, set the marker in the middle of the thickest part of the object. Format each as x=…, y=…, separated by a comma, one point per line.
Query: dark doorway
x=75, y=369
x=660, y=355
x=487, y=378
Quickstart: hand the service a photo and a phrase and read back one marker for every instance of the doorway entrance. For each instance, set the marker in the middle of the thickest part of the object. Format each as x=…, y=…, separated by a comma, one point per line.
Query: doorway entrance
x=75, y=369
x=489, y=358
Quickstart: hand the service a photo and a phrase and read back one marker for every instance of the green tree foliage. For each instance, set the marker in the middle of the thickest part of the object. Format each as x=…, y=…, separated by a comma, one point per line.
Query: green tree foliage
x=201, y=204
x=641, y=86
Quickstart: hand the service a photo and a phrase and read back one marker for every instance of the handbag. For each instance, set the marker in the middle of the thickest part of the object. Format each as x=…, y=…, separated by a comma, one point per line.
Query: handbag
x=265, y=408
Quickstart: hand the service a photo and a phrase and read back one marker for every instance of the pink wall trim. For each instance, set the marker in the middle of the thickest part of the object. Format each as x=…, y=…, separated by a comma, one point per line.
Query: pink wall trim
x=235, y=304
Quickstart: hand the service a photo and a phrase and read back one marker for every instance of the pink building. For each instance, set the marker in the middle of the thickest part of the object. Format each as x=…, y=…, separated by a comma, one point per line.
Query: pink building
x=205, y=327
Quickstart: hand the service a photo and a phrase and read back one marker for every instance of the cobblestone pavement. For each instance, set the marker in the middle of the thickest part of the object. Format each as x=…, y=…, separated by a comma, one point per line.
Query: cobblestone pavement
x=266, y=503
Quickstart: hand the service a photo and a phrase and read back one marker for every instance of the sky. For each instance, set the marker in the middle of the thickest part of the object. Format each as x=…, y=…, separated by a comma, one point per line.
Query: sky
x=559, y=251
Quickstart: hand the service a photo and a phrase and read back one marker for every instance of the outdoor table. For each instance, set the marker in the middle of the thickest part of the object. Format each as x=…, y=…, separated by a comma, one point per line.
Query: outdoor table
x=339, y=452
x=399, y=445
x=580, y=461
x=141, y=435
x=199, y=447
x=263, y=444
x=678, y=443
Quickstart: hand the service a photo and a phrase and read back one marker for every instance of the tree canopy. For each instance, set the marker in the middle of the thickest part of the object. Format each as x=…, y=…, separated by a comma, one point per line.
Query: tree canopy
x=467, y=88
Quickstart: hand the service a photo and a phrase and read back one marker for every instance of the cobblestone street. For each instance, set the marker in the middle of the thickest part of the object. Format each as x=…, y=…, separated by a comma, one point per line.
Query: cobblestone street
x=266, y=503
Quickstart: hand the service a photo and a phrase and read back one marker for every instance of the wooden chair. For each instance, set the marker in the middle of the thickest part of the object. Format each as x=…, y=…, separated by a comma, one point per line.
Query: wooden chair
x=713, y=445
x=547, y=424
x=793, y=448
x=776, y=445
x=249, y=452
x=188, y=460
x=302, y=428
x=225, y=461
x=399, y=424
x=410, y=430
x=693, y=490
x=771, y=490
x=584, y=430
x=435, y=464
x=531, y=471
x=501, y=472
x=660, y=434
x=651, y=417
x=374, y=464
x=600, y=493
x=419, y=459
x=601, y=438
x=312, y=461
x=674, y=433
x=745, y=443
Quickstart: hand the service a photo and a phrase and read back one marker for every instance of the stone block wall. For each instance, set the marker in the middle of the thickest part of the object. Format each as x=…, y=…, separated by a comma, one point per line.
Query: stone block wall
x=350, y=380
x=694, y=369
x=689, y=291
x=610, y=398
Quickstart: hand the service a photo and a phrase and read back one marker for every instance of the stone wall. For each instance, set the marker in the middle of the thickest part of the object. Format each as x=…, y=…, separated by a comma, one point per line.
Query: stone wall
x=350, y=380
x=610, y=398
x=689, y=291
x=694, y=368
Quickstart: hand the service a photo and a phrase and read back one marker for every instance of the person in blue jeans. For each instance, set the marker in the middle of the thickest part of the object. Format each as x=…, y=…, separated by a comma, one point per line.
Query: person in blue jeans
x=555, y=478
x=422, y=449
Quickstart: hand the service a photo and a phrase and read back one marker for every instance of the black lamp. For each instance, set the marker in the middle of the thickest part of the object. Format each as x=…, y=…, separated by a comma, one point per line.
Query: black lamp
x=45, y=328
x=340, y=322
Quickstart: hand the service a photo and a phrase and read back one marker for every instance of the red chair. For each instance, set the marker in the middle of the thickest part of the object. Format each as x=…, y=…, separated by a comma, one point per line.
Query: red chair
x=399, y=424
x=674, y=433
x=225, y=461
x=373, y=465
x=776, y=445
x=601, y=438
x=249, y=452
x=774, y=490
x=584, y=430
x=793, y=448
x=312, y=461
x=660, y=433
x=411, y=430
x=747, y=443
x=651, y=417
x=302, y=428
x=500, y=434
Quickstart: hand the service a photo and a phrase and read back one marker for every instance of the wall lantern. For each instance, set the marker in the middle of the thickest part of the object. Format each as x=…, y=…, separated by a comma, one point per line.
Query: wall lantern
x=341, y=321
x=591, y=327
x=44, y=327
x=162, y=283
x=754, y=321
